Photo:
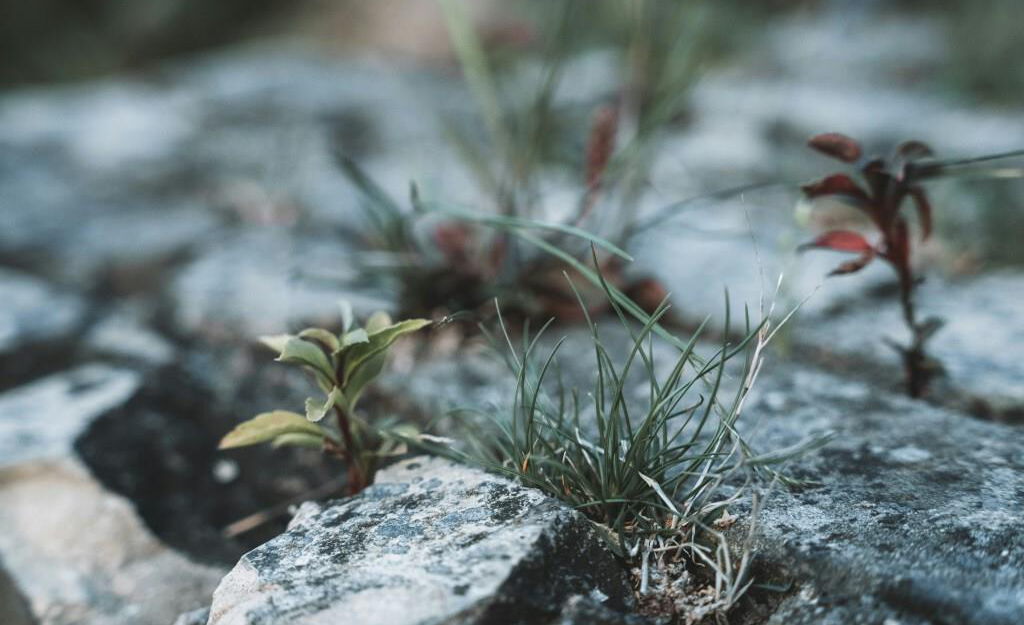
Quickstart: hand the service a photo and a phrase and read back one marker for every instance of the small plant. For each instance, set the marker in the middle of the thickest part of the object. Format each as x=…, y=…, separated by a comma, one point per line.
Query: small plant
x=644, y=452
x=445, y=258
x=342, y=366
x=888, y=185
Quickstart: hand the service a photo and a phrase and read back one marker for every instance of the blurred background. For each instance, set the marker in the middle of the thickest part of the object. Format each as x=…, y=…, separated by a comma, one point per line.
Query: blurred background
x=173, y=184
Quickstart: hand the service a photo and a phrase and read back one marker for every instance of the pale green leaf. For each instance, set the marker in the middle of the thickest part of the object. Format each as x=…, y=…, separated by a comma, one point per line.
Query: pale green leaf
x=303, y=352
x=299, y=439
x=377, y=322
x=380, y=340
x=268, y=426
x=361, y=376
x=323, y=336
x=276, y=342
x=316, y=410
x=354, y=337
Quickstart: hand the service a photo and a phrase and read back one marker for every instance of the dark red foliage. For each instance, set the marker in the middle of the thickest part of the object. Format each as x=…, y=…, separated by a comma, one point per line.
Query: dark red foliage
x=887, y=186
x=837, y=146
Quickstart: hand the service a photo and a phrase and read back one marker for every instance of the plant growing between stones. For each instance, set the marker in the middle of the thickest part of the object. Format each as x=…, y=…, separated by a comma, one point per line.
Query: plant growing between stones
x=467, y=256
x=888, y=185
x=649, y=469
x=342, y=365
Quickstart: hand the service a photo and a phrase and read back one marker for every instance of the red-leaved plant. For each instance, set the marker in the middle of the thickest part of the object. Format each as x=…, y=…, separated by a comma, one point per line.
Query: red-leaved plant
x=887, y=185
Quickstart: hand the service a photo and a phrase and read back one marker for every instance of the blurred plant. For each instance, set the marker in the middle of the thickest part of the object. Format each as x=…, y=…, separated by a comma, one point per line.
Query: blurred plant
x=888, y=184
x=472, y=255
x=342, y=366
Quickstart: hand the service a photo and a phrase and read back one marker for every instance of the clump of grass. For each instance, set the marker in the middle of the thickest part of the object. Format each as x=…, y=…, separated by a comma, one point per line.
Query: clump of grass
x=652, y=469
x=888, y=185
x=472, y=255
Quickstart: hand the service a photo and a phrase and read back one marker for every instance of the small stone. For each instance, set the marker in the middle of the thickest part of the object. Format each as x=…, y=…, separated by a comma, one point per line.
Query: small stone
x=430, y=542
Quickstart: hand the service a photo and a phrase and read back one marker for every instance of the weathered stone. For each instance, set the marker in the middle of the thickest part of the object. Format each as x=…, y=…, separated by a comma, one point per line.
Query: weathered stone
x=264, y=282
x=35, y=320
x=429, y=542
x=912, y=513
x=41, y=420
x=72, y=551
x=978, y=346
x=121, y=335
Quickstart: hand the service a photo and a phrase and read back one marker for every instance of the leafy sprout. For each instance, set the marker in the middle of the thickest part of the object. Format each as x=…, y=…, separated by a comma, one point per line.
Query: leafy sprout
x=342, y=366
x=887, y=187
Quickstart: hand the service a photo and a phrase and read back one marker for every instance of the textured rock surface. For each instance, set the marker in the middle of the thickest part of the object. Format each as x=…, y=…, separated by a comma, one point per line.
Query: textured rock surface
x=979, y=345
x=916, y=514
x=41, y=420
x=35, y=319
x=71, y=551
x=261, y=282
x=430, y=542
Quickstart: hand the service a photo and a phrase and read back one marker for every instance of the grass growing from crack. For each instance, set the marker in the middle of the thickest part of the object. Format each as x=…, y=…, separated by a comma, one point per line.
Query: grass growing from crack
x=652, y=469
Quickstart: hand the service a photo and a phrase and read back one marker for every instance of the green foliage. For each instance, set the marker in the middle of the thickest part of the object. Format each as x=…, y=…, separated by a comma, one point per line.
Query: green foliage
x=643, y=466
x=472, y=255
x=342, y=366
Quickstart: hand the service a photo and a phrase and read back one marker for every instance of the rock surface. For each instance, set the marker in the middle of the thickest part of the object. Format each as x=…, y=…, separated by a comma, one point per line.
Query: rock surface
x=976, y=346
x=72, y=552
x=429, y=542
x=915, y=514
x=35, y=320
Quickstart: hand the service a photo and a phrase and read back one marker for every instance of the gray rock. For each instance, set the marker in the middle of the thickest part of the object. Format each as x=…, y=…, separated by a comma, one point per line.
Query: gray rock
x=41, y=420
x=122, y=335
x=914, y=513
x=194, y=617
x=70, y=550
x=34, y=315
x=978, y=345
x=265, y=282
x=430, y=542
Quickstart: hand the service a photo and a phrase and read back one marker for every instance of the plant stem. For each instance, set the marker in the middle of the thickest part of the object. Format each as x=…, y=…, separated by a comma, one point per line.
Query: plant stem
x=356, y=477
x=914, y=357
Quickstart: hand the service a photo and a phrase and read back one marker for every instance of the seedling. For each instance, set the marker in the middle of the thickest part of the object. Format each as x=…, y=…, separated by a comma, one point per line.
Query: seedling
x=342, y=365
x=887, y=185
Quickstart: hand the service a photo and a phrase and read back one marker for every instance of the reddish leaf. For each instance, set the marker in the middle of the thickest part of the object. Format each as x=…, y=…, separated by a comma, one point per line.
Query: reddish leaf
x=453, y=240
x=924, y=210
x=906, y=154
x=844, y=241
x=913, y=150
x=837, y=146
x=601, y=143
x=853, y=266
x=836, y=184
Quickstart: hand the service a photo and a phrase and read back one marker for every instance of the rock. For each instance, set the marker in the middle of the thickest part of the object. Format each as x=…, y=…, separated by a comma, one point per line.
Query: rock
x=41, y=420
x=429, y=542
x=194, y=617
x=978, y=345
x=129, y=249
x=913, y=513
x=72, y=551
x=265, y=282
x=35, y=322
x=122, y=335
x=582, y=610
